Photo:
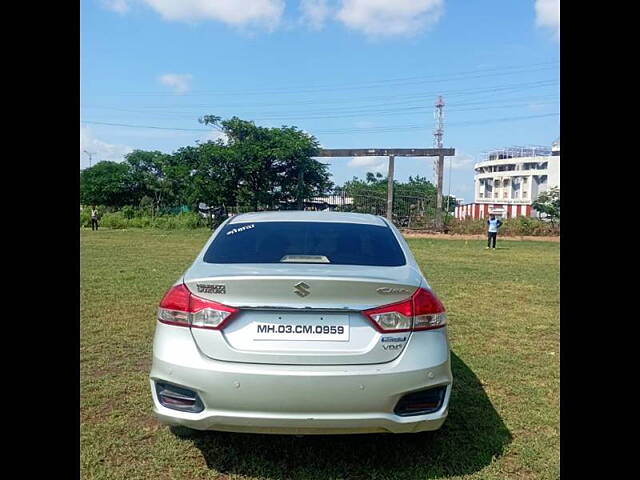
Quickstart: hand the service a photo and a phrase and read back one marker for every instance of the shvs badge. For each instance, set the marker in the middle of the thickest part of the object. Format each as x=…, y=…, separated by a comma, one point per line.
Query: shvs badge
x=393, y=343
x=393, y=339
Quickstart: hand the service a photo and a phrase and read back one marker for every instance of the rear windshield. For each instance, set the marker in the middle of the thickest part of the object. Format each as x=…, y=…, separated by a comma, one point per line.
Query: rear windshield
x=306, y=242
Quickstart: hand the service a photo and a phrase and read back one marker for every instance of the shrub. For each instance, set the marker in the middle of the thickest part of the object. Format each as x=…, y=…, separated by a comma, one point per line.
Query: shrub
x=85, y=217
x=128, y=212
x=146, y=203
x=519, y=226
x=113, y=220
x=139, y=222
x=130, y=217
x=467, y=226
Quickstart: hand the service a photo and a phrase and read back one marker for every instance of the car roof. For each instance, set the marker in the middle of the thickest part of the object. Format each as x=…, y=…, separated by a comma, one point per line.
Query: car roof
x=309, y=216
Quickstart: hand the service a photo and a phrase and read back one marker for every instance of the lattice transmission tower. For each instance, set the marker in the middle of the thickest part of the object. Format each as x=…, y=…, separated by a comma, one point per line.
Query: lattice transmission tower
x=438, y=132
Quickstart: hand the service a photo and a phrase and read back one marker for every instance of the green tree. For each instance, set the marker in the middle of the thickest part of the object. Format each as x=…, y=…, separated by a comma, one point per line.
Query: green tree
x=416, y=190
x=417, y=187
x=264, y=164
x=293, y=151
x=210, y=173
x=548, y=203
x=255, y=166
x=106, y=183
x=148, y=178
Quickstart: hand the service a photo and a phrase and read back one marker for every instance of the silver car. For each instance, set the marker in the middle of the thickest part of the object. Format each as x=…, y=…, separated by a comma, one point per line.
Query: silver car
x=302, y=323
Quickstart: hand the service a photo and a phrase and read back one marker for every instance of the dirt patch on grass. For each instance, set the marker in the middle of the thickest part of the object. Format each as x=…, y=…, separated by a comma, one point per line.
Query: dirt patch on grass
x=511, y=467
x=451, y=236
x=149, y=425
x=97, y=372
x=96, y=415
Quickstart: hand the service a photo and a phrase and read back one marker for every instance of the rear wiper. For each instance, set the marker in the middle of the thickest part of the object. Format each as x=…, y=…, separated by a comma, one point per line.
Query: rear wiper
x=304, y=259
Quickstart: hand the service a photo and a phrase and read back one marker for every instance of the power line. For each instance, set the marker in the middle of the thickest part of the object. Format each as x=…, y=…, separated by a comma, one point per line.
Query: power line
x=403, y=98
x=144, y=126
x=345, y=112
x=405, y=110
x=339, y=131
x=416, y=110
x=416, y=80
x=393, y=128
x=185, y=114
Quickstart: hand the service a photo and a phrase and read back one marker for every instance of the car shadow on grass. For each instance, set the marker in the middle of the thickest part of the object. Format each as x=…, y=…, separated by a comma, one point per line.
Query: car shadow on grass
x=472, y=436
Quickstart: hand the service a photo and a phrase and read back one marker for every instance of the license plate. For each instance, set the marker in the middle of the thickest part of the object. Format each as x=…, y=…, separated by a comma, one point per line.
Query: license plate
x=334, y=328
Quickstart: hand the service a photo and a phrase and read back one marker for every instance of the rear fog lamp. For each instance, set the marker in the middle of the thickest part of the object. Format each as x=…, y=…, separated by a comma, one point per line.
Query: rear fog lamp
x=178, y=398
x=421, y=403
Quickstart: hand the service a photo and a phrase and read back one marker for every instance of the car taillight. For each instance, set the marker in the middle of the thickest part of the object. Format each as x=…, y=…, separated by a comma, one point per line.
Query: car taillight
x=428, y=311
x=423, y=311
x=180, y=307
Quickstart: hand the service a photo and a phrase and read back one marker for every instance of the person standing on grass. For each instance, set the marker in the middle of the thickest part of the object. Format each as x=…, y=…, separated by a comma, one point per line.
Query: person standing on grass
x=94, y=218
x=494, y=225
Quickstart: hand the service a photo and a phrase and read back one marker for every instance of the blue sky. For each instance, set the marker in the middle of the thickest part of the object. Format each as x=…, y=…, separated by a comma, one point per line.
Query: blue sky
x=354, y=73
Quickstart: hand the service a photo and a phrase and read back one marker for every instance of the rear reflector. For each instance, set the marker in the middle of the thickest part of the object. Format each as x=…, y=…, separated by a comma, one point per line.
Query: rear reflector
x=178, y=398
x=421, y=403
x=180, y=307
x=423, y=311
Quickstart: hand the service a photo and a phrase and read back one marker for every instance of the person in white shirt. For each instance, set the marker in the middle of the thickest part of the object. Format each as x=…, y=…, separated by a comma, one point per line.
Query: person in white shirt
x=494, y=225
x=94, y=218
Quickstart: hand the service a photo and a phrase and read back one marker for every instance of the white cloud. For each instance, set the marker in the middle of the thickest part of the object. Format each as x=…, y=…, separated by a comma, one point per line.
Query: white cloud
x=548, y=16
x=314, y=13
x=390, y=17
x=180, y=82
x=232, y=12
x=119, y=6
x=214, y=135
x=100, y=150
x=371, y=17
x=372, y=164
x=459, y=161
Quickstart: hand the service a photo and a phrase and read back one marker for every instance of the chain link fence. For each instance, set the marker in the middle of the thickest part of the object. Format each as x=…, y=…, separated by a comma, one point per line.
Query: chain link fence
x=409, y=212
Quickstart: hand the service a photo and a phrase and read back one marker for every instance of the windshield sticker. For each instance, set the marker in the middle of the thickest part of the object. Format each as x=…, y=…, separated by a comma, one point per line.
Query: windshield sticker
x=240, y=229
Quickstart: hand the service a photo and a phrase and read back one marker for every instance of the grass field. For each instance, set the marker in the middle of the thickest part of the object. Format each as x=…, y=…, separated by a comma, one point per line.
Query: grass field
x=503, y=309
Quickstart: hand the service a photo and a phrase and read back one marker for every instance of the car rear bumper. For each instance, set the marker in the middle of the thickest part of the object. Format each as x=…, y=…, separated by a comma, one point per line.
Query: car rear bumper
x=316, y=425
x=300, y=399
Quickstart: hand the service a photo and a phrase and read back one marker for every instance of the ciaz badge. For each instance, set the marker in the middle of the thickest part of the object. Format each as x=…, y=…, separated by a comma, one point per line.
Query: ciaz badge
x=393, y=339
x=391, y=291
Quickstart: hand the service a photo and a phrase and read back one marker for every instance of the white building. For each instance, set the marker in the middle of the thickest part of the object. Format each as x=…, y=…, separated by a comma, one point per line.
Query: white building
x=509, y=180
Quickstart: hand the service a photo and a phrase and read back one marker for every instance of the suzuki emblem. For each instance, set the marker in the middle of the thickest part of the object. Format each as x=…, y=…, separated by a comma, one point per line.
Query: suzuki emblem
x=301, y=289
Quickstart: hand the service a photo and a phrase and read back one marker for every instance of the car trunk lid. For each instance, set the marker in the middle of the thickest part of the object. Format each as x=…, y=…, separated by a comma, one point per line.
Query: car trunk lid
x=293, y=314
